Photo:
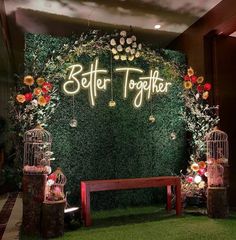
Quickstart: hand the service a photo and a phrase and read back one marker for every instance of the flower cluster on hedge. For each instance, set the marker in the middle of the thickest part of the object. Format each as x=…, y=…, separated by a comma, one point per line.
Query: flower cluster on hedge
x=125, y=47
x=33, y=103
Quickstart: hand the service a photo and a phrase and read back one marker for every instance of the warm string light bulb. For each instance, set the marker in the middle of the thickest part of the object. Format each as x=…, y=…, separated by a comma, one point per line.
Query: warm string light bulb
x=73, y=122
x=151, y=118
x=111, y=103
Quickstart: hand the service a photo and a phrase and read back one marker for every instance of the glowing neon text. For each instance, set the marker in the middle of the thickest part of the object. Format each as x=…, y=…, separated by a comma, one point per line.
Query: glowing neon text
x=91, y=80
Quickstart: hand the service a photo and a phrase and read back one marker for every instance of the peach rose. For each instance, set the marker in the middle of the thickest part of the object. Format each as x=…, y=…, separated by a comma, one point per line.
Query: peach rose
x=195, y=167
x=190, y=72
x=188, y=85
x=20, y=98
x=37, y=91
x=40, y=81
x=205, y=95
x=200, y=79
x=42, y=101
x=202, y=165
x=28, y=80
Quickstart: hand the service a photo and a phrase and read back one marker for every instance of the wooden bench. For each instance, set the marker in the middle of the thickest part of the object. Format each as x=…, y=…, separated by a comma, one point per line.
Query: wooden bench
x=133, y=183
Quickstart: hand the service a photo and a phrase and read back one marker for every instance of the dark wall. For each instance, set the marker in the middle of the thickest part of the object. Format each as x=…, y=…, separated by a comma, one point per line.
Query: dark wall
x=220, y=19
x=225, y=52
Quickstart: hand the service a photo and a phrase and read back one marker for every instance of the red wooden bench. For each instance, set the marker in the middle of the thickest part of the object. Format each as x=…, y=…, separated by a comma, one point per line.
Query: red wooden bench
x=119, y=184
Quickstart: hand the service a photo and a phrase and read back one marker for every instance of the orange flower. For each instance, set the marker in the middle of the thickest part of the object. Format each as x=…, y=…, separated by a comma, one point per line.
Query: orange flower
x=37, y=91
x=40, y=81
x=195, y=167
x=200, y=79
x=20, y=98
x=28, y=80
x=190, y=72
x=202, y=165
x=42, y=101
x=187, y=85
x=205, y=95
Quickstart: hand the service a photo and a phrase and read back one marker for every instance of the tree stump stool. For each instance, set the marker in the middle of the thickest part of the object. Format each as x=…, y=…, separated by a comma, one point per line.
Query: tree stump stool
x=226, y=175
x=52, y=224
x=33, y=197
x=217, y=202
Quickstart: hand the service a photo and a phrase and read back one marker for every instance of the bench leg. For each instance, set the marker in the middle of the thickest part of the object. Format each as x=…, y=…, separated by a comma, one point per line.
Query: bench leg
x=178, y=199
x=168, y=198
x=85, y=201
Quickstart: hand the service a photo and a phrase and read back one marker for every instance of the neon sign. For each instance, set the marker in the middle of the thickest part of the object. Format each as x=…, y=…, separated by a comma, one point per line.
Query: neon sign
x=89, y=80
x=94, y=80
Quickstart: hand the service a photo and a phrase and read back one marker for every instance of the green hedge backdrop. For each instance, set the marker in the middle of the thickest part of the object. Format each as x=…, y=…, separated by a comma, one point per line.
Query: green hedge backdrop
x=115, y=142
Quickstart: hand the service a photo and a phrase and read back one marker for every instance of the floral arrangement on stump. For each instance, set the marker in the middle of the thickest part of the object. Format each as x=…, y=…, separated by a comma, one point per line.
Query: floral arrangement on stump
x=200, y=118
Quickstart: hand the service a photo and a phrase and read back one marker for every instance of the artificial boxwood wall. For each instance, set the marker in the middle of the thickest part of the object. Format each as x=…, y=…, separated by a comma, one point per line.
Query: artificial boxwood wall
x=115, y=142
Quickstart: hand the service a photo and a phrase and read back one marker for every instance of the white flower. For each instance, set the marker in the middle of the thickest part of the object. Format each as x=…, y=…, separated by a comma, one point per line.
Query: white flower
x=113, y=42
x=137, y=54
x=59, y=58
x=50, y=182
x=197, y=96
x=123, y=33
x=127, y=49
x=130, y=58
x=48, y=153
x=139, y=46
x=129, y=40
x=132, y=51
x=34, y=103
x=123, y=57
x=114, y=51
x=133, y=38
x=119, y=48
x=122, y=41
x=134, y=45
x=116, y=57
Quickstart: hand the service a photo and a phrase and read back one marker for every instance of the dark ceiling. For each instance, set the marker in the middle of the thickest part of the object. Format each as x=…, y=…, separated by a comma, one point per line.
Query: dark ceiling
x=61, y=17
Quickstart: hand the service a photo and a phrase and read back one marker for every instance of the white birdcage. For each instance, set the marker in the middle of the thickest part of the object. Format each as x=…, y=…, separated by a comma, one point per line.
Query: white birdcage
x=54, y=191
x=37, y=151
x=217, y=157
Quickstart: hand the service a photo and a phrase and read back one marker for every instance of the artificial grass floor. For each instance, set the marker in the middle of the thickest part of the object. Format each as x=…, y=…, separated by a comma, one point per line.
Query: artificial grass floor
x=148, y=223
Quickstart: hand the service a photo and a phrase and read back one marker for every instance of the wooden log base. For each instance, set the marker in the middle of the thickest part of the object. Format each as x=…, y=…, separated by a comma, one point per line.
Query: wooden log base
x=52, y=224
x=33, y=197
x=217, y=202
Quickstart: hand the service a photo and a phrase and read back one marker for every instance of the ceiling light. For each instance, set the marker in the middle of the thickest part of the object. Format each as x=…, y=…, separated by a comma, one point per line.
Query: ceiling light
x=157, y=26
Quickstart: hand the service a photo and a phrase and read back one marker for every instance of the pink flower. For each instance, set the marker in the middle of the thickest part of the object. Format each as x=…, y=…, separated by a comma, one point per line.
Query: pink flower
x=46, y=87
x=207, y=86
x=47, y=98
x=189, y=179
x=186, y=78
x=200, y=88
x=28, y=97
x=201, y=172
x=193, y=79
x=53, y=177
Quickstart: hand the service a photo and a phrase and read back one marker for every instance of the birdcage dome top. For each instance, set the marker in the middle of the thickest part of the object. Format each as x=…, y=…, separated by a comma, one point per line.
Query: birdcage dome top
x=216, y=135
x=37, y=135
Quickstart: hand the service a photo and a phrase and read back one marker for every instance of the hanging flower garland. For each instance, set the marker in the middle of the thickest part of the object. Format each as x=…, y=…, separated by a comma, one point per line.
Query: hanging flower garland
x=200, y=118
